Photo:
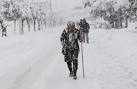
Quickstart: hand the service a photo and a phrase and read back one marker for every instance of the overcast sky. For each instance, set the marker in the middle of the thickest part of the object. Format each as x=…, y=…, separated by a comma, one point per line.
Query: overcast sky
x=62, y=4
x=65, y=4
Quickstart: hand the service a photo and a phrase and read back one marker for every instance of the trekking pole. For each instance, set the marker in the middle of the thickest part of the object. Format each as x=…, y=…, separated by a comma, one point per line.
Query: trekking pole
x=82, y=59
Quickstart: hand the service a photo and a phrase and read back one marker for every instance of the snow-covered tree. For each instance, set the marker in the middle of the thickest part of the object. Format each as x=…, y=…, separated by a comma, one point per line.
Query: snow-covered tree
x=116, y=12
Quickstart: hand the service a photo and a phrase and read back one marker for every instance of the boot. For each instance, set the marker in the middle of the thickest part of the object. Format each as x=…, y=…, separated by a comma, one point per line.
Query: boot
x=71, y=74
x=75, y=67
x=70, y=69
x=75, y=75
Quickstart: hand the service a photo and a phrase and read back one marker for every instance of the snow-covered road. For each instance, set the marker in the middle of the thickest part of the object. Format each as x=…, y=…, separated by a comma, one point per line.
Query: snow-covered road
x=24, y=58
x=34, y=61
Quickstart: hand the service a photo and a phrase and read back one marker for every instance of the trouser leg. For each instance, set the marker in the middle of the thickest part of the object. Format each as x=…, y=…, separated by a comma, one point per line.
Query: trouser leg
x=75, y=62
x=87, y=38
x=75, y=67
x=2, y=34
x=83, y=36
x=69, y=64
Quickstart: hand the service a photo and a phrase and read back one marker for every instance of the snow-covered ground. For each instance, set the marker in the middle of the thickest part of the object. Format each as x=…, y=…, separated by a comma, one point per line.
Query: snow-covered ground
x=34, y=61
x=23, y=58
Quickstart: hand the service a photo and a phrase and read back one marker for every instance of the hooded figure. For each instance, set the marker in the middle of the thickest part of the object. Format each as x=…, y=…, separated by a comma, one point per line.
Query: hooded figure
x=4, y=28
x=84, y=28
x=70, y=47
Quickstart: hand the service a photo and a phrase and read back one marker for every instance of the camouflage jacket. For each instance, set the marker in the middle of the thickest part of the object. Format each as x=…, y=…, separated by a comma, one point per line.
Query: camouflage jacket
x=69, y=41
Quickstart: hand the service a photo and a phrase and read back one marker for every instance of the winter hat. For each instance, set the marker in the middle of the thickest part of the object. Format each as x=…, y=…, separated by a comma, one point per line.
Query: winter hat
x=71, y=23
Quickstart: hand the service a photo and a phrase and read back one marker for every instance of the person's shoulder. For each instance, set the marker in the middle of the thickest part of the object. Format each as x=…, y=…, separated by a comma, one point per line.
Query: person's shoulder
x=87, y=23
x=65, y=30
x=76, y=29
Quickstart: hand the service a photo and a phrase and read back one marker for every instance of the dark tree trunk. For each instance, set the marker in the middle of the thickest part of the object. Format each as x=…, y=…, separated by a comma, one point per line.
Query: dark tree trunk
x=34, y=24
x=28, y=25
x=14, y=26
x=39, y=25
x=22, y=25
x=126, y=22
x=45, y=24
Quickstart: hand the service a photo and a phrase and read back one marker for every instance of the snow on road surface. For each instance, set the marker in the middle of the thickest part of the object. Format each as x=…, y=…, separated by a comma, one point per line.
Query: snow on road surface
x=23, y=58
x=34, y=61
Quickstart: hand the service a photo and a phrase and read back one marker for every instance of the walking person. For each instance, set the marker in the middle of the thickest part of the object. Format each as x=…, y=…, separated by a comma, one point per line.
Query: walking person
x=84, y=28
x=4, y=31
x=3, y=28
x=70, y=47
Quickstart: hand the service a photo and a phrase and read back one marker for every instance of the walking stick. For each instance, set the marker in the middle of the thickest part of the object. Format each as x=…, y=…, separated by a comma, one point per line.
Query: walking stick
x=82, y=59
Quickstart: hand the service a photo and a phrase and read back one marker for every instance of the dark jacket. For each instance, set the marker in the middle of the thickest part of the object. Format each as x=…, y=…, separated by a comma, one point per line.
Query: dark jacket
x=70, y=44
x=84, y=27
